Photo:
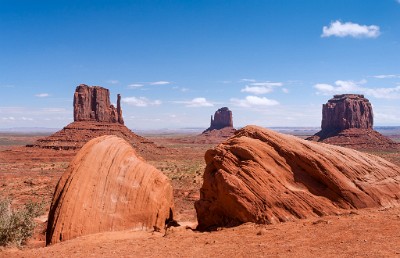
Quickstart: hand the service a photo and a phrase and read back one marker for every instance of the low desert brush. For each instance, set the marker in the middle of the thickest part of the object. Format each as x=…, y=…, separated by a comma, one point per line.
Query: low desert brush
x=17, y=225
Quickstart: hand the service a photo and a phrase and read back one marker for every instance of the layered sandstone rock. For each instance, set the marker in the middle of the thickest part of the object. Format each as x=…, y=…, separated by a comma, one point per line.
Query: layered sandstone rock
x=95, y=117
x=347, y=111
x=347, y=120
x=93, y=104
x=222, y=119
x=108, y=187
x=266, y=177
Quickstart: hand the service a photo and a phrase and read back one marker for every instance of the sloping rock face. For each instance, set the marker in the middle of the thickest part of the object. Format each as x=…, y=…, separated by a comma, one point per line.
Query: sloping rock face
x=347, y=120
x=266, y=177
x=222, y=118
x=107, y=187
x=93, y=104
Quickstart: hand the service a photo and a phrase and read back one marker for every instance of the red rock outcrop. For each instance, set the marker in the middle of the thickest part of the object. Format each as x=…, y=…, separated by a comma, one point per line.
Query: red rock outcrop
x=107, y=187
x=347, y=120
x=95, y=117
x=222, y=119
x=263, y=176
x=93, y=104
x=347, y=111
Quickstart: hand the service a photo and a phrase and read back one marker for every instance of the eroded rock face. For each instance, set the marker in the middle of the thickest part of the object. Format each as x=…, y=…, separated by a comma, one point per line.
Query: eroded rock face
x=347, y=111
x=107, y=187
x=92, y=103
x=222, y=118
x=266, y=177
x=347, y=120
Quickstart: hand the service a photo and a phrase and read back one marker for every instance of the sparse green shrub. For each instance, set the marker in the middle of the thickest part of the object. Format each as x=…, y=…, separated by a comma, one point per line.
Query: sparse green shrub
x=16, y=226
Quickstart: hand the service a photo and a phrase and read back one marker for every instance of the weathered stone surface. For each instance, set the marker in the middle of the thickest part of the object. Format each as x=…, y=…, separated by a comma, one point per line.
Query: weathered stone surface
x=266, y=177
x=92, y=103
x=95, y=117
x=222, y=118
x=107, y=187
x=347, y=120
x=347, y=111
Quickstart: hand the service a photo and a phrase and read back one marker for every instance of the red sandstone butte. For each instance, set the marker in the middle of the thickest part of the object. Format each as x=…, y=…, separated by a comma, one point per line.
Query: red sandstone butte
x=222, y=118
x=108, y=187
x=347, y=120
x=262, y=176
x=94, y=117
x=93, y=104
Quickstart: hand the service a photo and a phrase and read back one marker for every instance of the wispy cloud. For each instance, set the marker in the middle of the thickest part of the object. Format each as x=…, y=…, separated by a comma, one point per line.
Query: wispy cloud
x=386, y=76
x=260, y=88
x=141, y=101
x=251, y=101
x=357, y=87
x=247, y=80
x=349, y=29
x=196, y=102
x=135, y=85
x=42, y=95
x=160, y=83
x=284, y=90
x=113, y=81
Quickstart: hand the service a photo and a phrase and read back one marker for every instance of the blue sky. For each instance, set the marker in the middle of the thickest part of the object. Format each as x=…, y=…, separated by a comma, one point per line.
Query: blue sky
x=273, y=63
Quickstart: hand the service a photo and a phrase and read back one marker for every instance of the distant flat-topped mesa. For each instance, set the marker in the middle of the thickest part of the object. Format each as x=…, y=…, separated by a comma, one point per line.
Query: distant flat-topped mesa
x=347, y=120
x=92, y=103
x=222, y=118
x=347, y=111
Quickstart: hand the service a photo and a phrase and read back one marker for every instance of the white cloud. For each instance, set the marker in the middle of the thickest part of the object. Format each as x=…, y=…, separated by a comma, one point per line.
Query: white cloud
x=259, y=88
x=340, y=87
x=135, y=85
x=386, y=76
x=113, y=81
x=10, y=118
x=384, y=93
x=250, y=101
x=247, y=80
x=256, y=90
x=356, y=87
x=349, y=29
x=42, y=95
x=141, y=101
x=196, y=102
x=284, y=90
x=160, y=83
x=267, y=84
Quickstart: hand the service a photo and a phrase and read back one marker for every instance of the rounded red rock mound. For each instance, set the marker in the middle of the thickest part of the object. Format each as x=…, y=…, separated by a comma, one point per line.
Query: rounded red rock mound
x=266, y=177
x=107, y=187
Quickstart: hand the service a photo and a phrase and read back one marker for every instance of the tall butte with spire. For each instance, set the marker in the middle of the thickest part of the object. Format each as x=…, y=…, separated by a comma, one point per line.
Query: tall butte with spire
x=347, y=120
x=94, y=116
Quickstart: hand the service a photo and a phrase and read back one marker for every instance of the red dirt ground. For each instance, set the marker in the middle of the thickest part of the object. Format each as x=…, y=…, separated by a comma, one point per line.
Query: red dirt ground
x=30, y=173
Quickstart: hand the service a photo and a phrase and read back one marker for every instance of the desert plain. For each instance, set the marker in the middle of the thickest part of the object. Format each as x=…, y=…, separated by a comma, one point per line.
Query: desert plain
x=32, y=174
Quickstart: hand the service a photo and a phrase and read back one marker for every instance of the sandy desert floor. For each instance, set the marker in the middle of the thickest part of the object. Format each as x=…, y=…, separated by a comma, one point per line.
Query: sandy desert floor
x=31, y=174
